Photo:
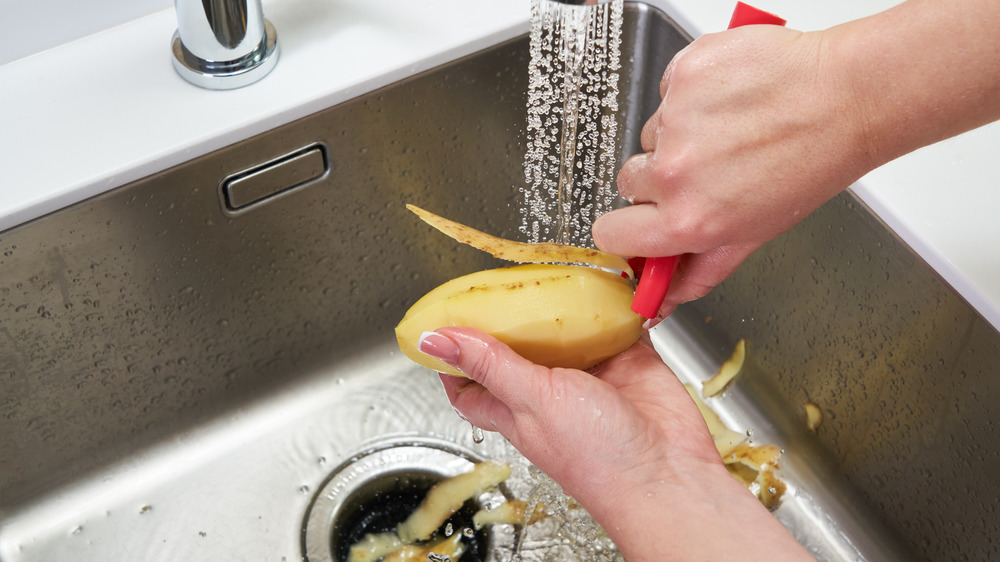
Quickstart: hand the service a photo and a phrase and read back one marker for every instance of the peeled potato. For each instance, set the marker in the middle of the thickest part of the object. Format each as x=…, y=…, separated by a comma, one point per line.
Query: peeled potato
x=554, y=315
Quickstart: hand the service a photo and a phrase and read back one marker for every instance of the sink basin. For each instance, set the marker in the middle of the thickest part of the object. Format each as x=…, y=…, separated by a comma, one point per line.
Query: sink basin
x=189, y=374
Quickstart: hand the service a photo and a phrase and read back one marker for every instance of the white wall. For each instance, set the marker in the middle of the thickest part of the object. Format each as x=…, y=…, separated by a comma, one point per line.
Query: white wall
x=30, y=26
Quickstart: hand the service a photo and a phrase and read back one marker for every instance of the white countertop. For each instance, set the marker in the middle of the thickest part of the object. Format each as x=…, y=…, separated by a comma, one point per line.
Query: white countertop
x=101, y=111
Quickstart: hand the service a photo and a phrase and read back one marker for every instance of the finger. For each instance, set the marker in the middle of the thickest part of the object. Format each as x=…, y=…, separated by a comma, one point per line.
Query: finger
x=507, y=376
x=698, y=274
x=629, y=178
x=668, y=73
x=650, y=133
x=637, y=230
x=665, y=80
x=475, y=404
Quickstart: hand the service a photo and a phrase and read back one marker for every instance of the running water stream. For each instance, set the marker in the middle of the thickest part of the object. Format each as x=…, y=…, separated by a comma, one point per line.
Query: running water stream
x=569, y=170
x=572, y=125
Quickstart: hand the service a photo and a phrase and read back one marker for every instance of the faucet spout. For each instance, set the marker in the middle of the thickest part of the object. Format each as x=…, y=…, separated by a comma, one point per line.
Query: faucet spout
x=223, y=44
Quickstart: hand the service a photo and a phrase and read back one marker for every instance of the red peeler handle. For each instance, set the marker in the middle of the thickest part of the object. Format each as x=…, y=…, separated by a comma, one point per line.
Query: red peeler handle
x=656, y=273
x=745, y=14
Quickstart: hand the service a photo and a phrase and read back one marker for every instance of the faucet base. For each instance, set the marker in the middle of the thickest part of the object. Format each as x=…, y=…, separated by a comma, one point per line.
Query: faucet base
x=232, y=74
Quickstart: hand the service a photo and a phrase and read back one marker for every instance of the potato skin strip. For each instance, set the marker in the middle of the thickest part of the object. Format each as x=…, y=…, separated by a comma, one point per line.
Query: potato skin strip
x=814, y=416
x=450, y=548
x=446, y=497
x=727, y=372
x=753, y=466
x=522, y=252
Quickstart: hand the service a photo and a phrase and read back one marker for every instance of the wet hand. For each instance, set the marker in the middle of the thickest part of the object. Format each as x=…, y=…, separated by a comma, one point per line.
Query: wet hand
x=625, y=440
x=630, y=421
x=751, y=136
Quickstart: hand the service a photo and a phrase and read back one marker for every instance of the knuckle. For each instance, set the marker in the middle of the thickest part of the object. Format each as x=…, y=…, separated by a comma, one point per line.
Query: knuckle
x=481, y=367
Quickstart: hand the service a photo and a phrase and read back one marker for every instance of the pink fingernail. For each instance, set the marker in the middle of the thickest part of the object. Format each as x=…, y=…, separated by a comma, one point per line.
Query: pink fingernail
x=440, y=346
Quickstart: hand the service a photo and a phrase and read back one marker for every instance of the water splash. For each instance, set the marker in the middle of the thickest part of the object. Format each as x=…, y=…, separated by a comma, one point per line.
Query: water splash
x=572, y=126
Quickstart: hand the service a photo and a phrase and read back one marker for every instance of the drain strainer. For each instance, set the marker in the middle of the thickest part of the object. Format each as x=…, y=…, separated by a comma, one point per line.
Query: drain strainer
x=377, y=489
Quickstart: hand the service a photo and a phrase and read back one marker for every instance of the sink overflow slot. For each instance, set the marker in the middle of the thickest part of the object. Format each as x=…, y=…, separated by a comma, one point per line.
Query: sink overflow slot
x=251, y=187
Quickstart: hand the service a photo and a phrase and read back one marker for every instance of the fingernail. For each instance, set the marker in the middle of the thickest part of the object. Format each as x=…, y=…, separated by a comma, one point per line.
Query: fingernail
x=439, y=346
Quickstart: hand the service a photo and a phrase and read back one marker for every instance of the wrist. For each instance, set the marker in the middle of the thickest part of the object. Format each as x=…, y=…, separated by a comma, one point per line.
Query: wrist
x=698, y=512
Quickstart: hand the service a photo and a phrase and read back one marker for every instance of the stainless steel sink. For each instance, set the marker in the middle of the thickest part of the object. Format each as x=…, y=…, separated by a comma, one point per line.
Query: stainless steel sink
x=182, y=371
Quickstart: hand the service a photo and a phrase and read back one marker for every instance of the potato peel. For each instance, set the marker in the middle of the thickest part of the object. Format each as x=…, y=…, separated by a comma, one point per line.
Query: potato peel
x=407, y=542
x=374, y=547
x=511, y=512
x=521, y=252
x=725, y=439
x=450, y=548
x=447, y=496
x=814, y=416
x=753, y=466
x=727, y=372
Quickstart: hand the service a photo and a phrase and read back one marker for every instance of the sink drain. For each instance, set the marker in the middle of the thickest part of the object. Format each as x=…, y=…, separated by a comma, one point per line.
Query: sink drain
x=376, y=490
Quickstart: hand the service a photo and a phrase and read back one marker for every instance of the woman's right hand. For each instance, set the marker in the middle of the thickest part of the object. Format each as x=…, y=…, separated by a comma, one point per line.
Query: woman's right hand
x=750, y=137
x=761, y=124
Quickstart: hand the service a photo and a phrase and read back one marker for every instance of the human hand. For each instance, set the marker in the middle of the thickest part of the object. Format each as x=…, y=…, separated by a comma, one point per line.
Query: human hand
x=751, y=136
x=626, y=441
x=632, y=412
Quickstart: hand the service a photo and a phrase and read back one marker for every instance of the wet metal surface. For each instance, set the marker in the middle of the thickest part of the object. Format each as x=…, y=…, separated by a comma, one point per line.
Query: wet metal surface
x=177, y=381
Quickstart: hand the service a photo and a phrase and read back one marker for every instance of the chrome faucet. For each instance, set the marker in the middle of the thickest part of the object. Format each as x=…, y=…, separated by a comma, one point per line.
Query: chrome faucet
x=223, y=44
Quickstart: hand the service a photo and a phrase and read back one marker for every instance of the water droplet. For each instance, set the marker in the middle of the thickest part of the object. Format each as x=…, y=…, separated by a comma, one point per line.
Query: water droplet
x=478, y=435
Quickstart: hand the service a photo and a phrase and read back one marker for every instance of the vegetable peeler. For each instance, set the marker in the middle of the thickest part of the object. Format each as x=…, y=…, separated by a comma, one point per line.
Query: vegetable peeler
x=654, y=274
